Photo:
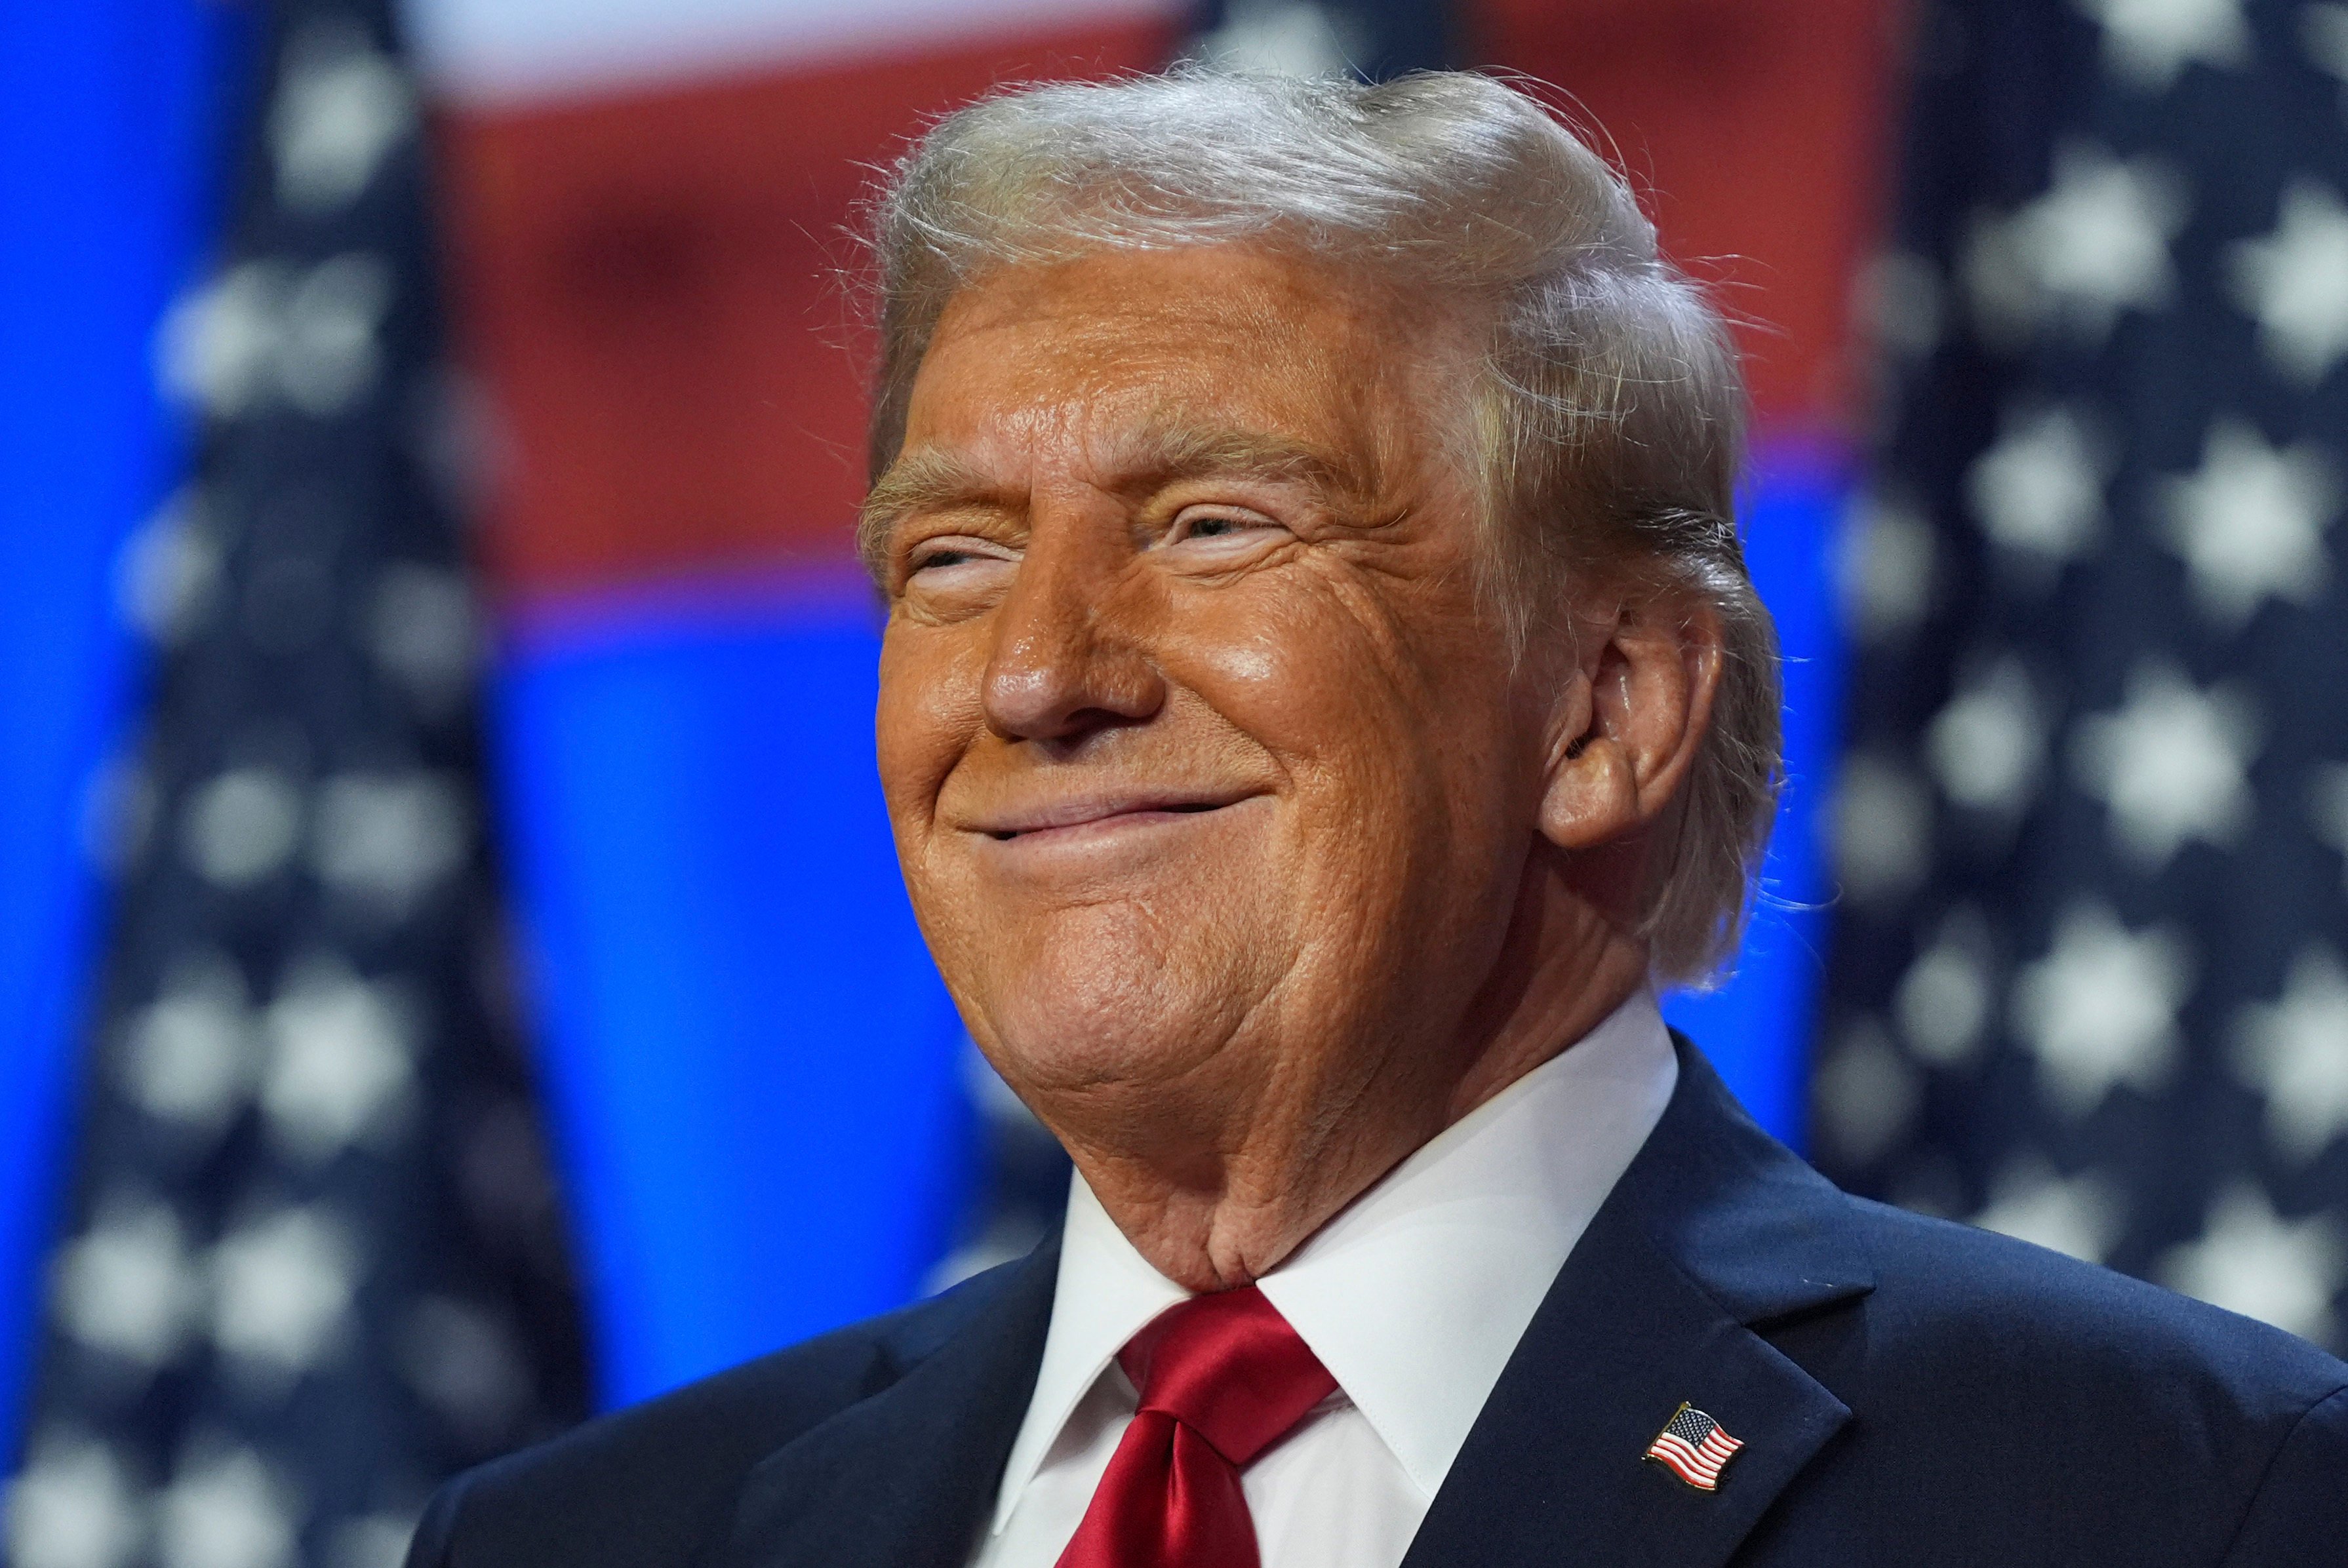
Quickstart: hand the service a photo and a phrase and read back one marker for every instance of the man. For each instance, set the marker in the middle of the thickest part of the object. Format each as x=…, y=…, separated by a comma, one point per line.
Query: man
x=1322, y=695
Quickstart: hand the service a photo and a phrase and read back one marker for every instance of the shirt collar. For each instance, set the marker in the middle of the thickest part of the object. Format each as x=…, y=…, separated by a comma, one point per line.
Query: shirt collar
x=1414, y=1294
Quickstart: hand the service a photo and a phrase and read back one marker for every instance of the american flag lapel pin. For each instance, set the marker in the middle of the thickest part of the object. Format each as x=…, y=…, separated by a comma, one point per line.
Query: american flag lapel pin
x=1694, y=1447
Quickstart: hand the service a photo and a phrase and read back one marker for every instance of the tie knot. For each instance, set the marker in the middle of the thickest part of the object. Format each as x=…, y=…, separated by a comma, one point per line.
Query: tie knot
x=1230, y=1367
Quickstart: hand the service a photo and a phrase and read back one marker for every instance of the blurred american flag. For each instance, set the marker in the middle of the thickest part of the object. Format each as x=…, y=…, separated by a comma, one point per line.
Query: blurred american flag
x=2091, y=980
x=312, y=1264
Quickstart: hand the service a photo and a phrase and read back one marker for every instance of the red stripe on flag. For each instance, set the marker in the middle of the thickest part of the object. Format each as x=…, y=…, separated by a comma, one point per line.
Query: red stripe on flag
x=1682, y=1467
x=1698, y=1466
x=1678, y=1445
x=651, y=286
x=1757, y=133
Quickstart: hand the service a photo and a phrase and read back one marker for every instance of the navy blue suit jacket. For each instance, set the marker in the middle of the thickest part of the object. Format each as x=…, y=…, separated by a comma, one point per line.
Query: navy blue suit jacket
x=1910, y=1392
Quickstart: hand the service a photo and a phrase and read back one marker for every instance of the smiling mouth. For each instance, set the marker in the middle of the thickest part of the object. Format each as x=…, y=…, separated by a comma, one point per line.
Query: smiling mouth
x=1078, y=815
x=1188, y=808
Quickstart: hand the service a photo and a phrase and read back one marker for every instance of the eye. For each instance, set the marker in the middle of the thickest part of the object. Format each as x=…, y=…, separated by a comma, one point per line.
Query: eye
x=952, y=574
x=951, y=550
x=1220, y=526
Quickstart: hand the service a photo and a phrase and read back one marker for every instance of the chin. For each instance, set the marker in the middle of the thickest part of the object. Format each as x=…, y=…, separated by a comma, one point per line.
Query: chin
x=1083, y=1018
x=1070, y=1039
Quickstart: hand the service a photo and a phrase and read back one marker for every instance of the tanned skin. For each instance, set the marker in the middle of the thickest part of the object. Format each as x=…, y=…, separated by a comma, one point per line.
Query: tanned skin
x=1252, y=854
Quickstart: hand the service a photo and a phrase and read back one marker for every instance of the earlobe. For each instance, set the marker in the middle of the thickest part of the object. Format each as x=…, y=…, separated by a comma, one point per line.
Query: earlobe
x=1629, y=723
x=1590, y=799
x=1583, y=797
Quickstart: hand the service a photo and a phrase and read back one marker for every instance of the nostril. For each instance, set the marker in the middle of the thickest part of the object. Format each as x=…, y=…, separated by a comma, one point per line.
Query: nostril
x=1084, y=721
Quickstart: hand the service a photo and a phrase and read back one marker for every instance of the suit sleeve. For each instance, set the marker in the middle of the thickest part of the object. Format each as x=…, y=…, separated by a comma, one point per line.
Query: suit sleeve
x=2299, y=1515
x=435, y=1543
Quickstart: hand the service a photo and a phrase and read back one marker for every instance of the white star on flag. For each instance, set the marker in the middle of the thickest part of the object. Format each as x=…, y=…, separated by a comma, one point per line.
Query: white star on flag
x=328, y=355
x=2148, y=42
x=2096, y=244
x=128, y=1285
x=73, y=1506
x=2249, y=524
x=389, y=839
x=262, y=331
x=2100, y=1008
x=227, y=1509
x=425, y=632
x=2249, y=1261
x=1884, y=565
x=169, y=575
x=240, y=825
x=342, y=1065
x=2294, y=282
x=1987, y=745
x=188, y=1057
x=282, y=1286
x=2040, y=490
x=216, y=344
x=1882, y=828
x=2171, y=763
x=2295, y=1049
x=1865, y=1090
x=1943, y=1000
x=2082, y=1215
x=340, y=109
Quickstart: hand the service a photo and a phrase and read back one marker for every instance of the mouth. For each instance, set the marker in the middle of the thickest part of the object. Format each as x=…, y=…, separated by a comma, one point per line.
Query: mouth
x=1082, y=816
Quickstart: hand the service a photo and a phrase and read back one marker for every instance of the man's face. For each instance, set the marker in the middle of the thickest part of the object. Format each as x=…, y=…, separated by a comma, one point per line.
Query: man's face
x=1207, y=766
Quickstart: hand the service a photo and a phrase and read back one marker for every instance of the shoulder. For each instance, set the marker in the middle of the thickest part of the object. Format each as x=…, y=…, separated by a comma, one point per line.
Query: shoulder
x=645, y=1486
x=2151, y=1427
x=1952, y=1296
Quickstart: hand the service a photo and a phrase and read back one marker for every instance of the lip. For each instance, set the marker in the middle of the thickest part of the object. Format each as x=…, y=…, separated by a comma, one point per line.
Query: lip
x=1080, y=814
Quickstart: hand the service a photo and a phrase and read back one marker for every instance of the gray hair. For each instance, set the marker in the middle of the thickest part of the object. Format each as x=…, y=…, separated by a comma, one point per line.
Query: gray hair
x=1611, y=413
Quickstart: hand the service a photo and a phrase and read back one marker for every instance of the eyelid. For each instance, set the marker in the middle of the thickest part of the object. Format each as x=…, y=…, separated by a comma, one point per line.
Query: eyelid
x=956, y=544
x=1233, y=511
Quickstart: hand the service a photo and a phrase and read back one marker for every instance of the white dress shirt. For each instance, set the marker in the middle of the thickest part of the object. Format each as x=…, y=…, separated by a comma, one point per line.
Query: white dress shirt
x=1413, y=1296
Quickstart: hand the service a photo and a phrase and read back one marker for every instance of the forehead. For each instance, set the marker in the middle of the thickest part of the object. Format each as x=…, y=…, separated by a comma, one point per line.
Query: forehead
x=1082, y=354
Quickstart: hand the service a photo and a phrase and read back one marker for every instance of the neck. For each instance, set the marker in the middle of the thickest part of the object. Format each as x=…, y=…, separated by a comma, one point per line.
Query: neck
x=1284, y=1161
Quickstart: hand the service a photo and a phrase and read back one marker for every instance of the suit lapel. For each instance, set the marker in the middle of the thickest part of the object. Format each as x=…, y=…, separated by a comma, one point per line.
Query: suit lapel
x=1715, y=1228
x=1713, y=1232
x=902, y=1479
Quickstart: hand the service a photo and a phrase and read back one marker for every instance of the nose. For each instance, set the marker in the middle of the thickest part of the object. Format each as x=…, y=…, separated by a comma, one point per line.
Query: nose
x=1064, y=665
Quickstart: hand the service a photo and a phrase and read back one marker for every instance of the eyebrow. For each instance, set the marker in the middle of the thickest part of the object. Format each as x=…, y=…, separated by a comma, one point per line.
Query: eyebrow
x=927, y=481
x=1145, y=461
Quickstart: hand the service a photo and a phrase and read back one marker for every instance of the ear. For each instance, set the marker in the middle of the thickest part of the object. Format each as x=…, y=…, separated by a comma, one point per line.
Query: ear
x=1624, y=731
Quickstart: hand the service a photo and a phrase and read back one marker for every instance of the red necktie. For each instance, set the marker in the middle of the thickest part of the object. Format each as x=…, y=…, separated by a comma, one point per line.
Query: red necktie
x=1222, y=1378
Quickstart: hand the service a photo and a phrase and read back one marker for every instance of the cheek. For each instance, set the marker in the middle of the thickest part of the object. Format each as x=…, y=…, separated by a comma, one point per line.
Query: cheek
x=1289, y=659
x=1395, y=726
x=1348, y=693
x=927, y=716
